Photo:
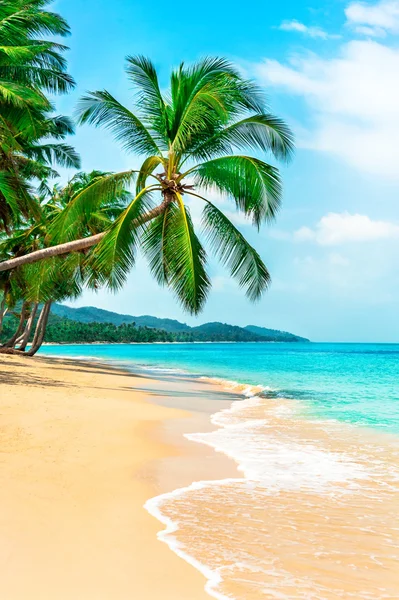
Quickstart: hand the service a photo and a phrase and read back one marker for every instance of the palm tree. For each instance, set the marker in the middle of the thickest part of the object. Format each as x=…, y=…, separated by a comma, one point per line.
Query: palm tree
x=188, y=138
x=30, y=67
x=54, y=280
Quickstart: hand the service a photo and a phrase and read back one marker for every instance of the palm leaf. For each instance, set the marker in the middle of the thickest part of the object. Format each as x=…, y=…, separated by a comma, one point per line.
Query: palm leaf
x=60, y=154
x=259, y=132
x=253, y=184
x=71, y=222
x=152, y=105
x=228, y=243
x=114, y=256
x=147, y=168
x=205, y=97
x=100, y=108
x=176, y=256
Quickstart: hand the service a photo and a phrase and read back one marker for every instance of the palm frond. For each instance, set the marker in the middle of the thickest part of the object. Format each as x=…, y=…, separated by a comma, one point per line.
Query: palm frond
x=102, y=109
x=253, y=184
x=206, y=97
x=231, y=247
x=176, y=256
x=263, y=132
x=114, y=256
x=143, y=75
x=71, y=222
x=147, y=168
x=58, y=153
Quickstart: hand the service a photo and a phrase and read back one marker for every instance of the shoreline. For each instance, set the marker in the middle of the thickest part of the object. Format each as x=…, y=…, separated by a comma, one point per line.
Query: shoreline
x=312, y=483
x=84, y=446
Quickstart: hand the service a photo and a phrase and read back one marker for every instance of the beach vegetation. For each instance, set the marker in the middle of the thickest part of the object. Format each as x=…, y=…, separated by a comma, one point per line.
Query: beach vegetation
x=202, y=138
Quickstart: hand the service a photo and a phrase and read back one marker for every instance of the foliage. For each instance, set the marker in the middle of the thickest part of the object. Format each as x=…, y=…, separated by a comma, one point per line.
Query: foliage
x=206, y=133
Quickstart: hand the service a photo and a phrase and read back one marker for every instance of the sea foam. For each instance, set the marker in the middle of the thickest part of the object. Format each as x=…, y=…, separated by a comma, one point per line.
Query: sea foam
x=269, y=462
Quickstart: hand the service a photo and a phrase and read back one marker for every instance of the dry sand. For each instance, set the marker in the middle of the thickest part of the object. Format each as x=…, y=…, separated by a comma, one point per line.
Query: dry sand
x=82, y=448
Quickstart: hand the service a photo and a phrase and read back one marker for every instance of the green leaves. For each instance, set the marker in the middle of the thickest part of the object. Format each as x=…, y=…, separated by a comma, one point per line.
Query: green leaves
x=235, y=252
x=61, y=154
x=100, y=108
x=259, y=132
x=29, y=67
x=254, y=185
x=71, y=223
x=205, y=98
x=114, y=256
x=150, y=101
x=176, y=256
x=147, y=168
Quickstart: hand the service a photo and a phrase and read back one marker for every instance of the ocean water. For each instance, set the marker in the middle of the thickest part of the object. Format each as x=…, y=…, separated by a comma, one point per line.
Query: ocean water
x=313, y=511
x=356, y=383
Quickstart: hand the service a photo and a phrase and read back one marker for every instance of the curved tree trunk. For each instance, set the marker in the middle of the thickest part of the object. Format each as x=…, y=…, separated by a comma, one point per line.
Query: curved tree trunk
x=28, y=329
x=10, y=343
x=79, y=245
x=40, y=329
x=3, y=312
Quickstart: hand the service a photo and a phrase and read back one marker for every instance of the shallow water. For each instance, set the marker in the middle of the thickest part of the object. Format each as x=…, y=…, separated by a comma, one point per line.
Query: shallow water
x=314, y=512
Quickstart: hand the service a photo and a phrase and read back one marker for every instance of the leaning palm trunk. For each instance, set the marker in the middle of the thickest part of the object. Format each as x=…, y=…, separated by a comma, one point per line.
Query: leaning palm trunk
x=3, y=312
x=40, y=329
x=11, y=342
x=77, y=245
x=24, y=339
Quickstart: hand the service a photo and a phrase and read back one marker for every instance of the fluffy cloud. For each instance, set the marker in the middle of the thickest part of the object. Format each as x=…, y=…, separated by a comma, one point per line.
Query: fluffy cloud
x=313, y=32
x=340, y=228
x=374, y=19
x=353, y=102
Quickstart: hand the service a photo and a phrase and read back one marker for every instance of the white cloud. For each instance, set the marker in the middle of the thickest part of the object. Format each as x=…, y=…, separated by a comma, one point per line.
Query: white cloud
x=339, y=228
x=311, y=31
x=353, y=102
x=374, y=19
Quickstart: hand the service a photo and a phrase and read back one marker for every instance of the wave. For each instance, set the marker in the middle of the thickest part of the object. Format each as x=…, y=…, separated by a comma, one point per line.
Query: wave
x=270, y=463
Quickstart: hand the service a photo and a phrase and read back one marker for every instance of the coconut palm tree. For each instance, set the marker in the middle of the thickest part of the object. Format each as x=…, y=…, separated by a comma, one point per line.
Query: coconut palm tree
x=29, y=64
x=29, y=291
x=192, y=141
x=29, y=134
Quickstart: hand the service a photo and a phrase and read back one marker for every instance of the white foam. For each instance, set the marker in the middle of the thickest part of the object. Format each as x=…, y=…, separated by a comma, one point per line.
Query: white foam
x=153, y=505
x=273, y=461
x=269, y=462
x=154, y=369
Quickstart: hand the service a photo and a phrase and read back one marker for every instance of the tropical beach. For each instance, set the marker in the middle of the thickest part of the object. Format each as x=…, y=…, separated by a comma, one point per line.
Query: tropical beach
x=87, y=447
x=199, y=350
x=81, y=450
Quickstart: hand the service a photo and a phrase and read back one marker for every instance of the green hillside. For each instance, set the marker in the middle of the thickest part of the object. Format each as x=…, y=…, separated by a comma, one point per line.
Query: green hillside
x=208, y=332
x=222, y=332
x=275, y=334
x=91, y=314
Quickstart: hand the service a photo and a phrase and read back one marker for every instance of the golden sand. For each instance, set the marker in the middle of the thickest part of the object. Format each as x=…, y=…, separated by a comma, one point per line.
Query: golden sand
x=75, y=442
x=84, y=446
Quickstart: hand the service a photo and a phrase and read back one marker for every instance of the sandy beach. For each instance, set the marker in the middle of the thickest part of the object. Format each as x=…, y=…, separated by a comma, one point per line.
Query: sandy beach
x=83, y=447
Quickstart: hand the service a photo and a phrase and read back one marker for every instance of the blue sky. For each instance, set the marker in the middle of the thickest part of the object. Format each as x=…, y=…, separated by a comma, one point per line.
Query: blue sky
x=331, y=70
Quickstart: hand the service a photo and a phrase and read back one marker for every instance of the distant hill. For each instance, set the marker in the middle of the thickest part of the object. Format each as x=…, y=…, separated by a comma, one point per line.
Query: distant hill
x=222, y=332
x=212, y=332
x=275, y=334
x=91, y=314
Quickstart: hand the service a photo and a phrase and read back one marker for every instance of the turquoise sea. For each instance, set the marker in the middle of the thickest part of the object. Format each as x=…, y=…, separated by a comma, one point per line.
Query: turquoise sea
x=312, y=512
x=356, y=383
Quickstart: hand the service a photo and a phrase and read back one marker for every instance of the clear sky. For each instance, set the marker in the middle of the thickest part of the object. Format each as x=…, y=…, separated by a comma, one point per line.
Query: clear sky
x=331, y=69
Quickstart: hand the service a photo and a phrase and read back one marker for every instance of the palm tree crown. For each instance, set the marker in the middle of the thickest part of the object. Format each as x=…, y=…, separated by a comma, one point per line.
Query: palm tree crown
x=193, y=140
